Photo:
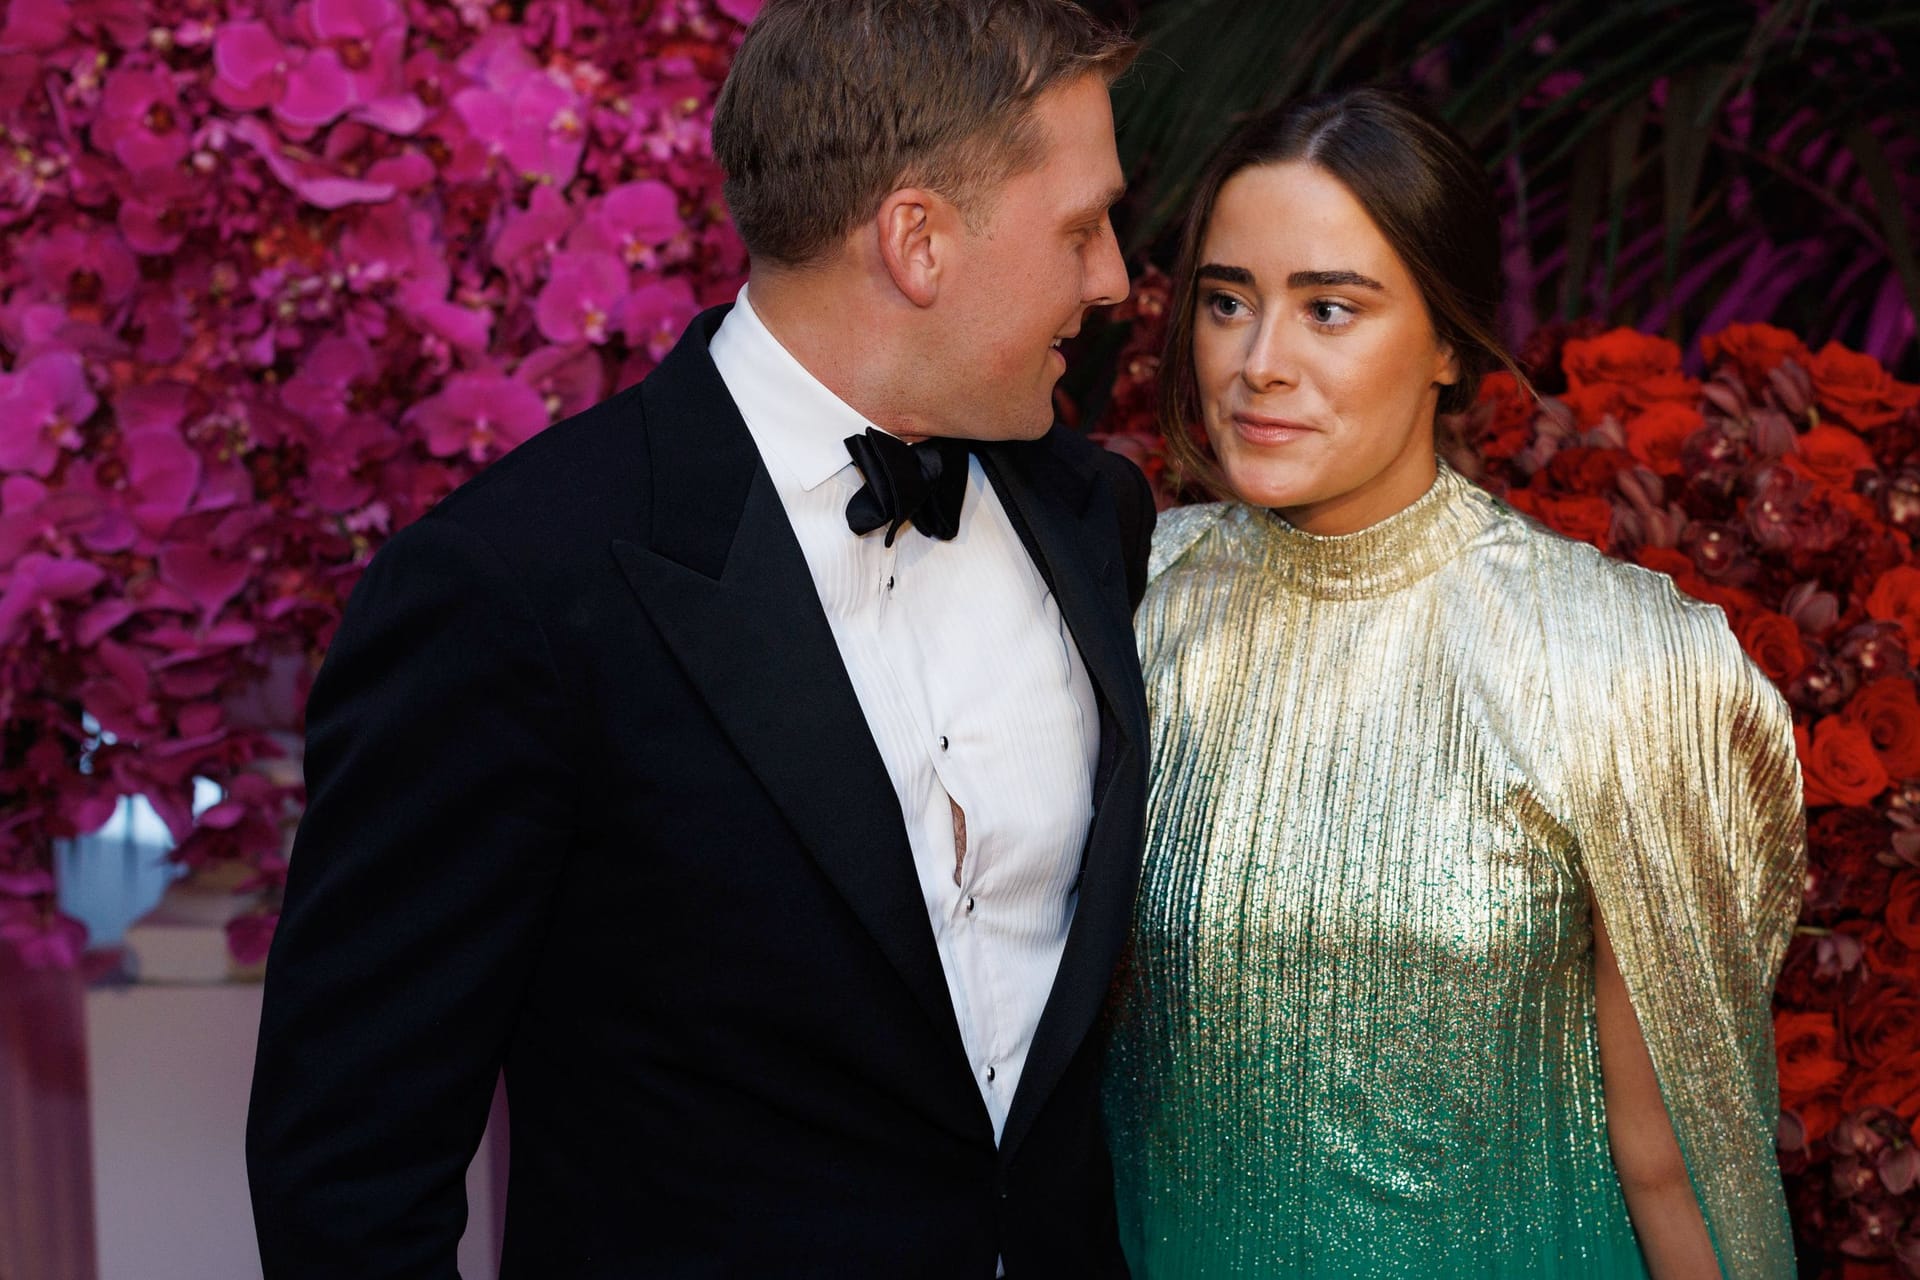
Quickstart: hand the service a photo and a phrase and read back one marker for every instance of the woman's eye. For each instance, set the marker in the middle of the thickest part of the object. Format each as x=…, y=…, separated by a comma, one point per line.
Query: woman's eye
x=1328, y=314
x=1225, y=305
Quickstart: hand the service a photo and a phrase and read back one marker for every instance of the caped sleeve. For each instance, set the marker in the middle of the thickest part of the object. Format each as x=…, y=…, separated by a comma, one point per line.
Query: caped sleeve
x=1683, y=791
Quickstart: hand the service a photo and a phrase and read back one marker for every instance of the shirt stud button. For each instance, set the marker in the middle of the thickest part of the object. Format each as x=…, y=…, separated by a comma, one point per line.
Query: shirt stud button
x=943, y=742
x=969, y=904
x=991, y=1073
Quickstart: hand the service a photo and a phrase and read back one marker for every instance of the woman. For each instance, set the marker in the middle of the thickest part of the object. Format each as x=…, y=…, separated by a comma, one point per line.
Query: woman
x=1472, y=854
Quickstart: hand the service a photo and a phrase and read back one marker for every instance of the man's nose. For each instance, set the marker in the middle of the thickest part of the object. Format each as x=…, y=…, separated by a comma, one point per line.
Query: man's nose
x=1107, y=281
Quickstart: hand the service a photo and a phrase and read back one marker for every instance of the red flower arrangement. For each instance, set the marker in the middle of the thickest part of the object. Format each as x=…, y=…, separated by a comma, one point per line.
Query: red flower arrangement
x=274, y=277
x=1785, y=488
x=1781, y=488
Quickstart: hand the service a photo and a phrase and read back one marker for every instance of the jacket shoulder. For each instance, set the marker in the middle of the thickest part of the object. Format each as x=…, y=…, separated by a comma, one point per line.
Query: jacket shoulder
x=585, y=467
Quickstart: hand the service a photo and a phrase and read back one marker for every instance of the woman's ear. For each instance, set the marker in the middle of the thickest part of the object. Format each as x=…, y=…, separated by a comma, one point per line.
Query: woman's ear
x=1446, y=366
x=910, y=229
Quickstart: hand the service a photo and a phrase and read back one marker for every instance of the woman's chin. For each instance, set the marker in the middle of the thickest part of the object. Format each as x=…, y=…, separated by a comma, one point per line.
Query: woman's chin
x=1269, y=487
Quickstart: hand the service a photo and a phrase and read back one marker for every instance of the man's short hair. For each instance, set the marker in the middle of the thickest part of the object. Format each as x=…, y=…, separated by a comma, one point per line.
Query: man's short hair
x=831, y=104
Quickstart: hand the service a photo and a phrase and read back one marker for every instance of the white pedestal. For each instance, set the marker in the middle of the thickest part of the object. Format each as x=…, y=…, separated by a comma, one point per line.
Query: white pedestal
x=169, y=1069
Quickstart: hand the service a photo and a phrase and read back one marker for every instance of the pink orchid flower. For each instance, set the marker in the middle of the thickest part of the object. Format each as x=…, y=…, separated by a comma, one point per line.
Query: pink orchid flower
x=41, y=408
x=354, y=66
x=522, y=114
x=313, y=180
x=81, y=265
x=532, y=235
x=163, y=470
x=569, y=379
x=38, y=581
x=653, y=316
x=480, y=414
x=205, y=578
x=140, y=120
x=43, y=939
x=319, y=391
x=250, y=936
x=34, y=26
x=579, y=301
x=363, y=53
x=632, y=222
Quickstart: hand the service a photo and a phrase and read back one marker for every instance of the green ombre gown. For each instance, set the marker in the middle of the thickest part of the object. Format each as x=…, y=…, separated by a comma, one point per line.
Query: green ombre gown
x=1393, y=775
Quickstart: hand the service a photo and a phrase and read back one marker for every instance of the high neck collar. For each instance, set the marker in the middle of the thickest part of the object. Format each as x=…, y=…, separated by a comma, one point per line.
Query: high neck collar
x=1397, y=552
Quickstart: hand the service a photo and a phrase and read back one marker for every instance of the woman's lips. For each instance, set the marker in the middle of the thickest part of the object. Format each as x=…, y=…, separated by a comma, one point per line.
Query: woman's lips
x=1261, y=430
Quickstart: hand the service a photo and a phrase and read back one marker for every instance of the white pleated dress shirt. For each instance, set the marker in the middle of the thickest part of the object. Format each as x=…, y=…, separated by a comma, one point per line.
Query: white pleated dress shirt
x=974, y=691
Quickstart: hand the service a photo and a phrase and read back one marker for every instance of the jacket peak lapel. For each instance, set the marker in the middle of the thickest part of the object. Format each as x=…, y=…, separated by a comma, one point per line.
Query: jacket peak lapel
x=727, y=587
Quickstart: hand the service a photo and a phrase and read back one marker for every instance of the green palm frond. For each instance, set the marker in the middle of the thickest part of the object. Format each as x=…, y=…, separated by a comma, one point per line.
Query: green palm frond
x=1700, y=122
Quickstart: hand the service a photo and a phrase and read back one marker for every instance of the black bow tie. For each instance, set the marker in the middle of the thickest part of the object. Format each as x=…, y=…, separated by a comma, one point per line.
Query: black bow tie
x=924, y=483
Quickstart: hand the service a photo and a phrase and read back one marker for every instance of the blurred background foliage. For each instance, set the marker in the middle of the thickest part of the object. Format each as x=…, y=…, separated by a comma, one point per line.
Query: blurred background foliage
x=1670, y=166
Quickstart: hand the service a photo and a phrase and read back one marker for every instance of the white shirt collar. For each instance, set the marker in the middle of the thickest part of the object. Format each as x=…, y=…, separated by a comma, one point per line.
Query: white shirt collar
x=790, y=412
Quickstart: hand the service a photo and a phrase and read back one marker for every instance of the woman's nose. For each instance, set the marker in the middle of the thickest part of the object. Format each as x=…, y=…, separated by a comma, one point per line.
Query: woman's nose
x=1270, y=361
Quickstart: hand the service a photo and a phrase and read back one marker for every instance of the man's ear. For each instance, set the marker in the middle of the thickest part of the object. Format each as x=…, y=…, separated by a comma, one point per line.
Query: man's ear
x=915, y=228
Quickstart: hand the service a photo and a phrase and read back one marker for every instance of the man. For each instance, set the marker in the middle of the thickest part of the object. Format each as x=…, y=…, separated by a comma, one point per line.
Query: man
x=762, y=793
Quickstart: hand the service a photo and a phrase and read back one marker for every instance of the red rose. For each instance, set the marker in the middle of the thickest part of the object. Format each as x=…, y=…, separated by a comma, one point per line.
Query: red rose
x=1880, y=1023
x=1676, y=564
x=1579, y=469
x=1773, y=642
x=1896, y=598
x=1655, y=436
x=1621, y=355
x=1581, y=516
x=1894, y=1085
x=1808, y=1043
x=1679, y=566
x=1903, y=907
x=1840, y=763
x=1754, y=349
x=1890, y=713
x=1818, y=1114
x=1798, y=985
x=1855, y=389
x=1593, y=403
x=1501, y=418
x=1844, y=871
x=1668, y=560
x=1832, y=455
x=1885, y=953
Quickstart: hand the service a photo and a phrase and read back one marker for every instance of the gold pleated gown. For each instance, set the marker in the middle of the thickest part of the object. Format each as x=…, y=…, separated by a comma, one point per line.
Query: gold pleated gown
x=1394, y=773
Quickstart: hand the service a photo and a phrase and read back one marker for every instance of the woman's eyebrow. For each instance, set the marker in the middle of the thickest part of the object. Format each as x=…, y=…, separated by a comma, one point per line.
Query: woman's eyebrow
x=1225, y=274
x=1333, y=280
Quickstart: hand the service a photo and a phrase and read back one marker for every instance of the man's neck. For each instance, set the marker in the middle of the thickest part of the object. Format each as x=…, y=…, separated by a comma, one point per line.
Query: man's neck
x=832, y=327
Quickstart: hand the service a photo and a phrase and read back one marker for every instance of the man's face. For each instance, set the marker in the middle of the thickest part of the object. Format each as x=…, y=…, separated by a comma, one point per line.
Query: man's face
x=1022, y=280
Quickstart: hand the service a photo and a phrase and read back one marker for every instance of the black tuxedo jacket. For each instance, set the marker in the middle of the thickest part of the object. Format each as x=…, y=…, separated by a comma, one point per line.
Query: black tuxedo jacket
x=591, y=796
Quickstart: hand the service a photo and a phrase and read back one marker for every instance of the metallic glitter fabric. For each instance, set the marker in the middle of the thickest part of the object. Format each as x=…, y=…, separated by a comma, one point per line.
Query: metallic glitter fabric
x=1393, y=774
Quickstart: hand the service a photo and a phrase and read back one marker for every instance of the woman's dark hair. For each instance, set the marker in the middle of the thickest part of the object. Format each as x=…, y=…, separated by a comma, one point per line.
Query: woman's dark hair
x=1419, y=182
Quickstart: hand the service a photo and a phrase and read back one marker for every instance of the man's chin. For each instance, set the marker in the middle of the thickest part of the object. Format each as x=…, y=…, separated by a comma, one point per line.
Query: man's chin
x=1027, y=429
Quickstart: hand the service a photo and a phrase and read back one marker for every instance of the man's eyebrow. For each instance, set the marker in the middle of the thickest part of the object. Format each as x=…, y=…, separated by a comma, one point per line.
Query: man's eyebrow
x=1097, y=208
x=1333, y=280
x=1224, y=274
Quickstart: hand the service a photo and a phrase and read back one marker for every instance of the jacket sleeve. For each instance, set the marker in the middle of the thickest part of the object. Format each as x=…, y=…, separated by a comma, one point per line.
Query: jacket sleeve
x=1685, y=797
x=439, y=801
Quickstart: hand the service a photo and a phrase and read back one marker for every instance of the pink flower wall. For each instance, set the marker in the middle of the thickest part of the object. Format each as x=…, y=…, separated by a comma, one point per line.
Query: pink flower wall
x=275, y=277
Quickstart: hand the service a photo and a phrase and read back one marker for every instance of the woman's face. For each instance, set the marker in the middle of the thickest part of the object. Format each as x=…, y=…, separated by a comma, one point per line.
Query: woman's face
x=1317, y=364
